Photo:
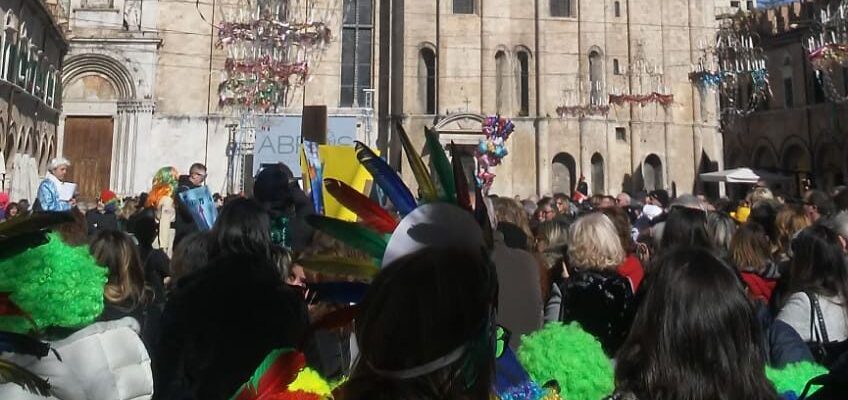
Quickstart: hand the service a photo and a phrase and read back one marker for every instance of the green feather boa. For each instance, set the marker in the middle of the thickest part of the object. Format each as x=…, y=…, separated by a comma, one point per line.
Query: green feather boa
x=572, y=357
x=575, y=359
x=56, y=284
x=794, y=377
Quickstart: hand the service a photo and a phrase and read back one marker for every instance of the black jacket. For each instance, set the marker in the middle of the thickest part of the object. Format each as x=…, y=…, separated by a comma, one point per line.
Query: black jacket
x=781, y=344
x=220, y=323
x=183, y=223
x=100, y=221
x=602, y=302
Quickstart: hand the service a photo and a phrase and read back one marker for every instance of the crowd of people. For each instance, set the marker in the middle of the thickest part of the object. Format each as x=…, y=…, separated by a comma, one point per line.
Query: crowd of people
x=688, y=298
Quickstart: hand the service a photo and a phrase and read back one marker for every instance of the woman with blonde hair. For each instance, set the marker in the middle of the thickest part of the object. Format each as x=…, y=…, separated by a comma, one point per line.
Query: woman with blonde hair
x=513, y=222
x=594, y=294
x=161, y=201
x=790, y=220
x=750, y=253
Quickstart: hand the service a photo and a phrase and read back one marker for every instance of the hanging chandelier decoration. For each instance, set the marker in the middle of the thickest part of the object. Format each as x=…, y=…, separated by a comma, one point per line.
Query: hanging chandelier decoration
x=646, y=80
x=269, y=52
x=827, y=45
x=574, y=108
x=735, y=66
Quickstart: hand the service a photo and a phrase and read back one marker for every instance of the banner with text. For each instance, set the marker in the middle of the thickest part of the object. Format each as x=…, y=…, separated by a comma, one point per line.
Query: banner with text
x=278, y=140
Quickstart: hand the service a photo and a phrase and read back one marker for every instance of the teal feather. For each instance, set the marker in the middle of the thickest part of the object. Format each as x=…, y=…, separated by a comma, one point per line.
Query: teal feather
x=352, y=234
x=387, y=179
x=441, y=165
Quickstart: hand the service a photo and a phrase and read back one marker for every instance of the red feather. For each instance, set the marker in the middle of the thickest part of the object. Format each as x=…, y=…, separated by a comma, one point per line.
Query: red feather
x=282, y=373
x=8, y=307
x=298, y=395
x=279, y=375
x=463, y=197
x=369, y=212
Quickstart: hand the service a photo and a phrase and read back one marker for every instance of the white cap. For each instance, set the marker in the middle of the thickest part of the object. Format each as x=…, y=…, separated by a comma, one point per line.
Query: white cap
x=436, y=225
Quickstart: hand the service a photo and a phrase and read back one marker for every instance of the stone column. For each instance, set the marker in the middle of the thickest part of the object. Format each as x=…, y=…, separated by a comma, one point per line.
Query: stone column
x=143, y=126
x=543, y=175
x=117, y=154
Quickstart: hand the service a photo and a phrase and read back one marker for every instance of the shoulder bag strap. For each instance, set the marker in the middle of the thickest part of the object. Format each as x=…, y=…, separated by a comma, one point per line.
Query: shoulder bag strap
x=817, y=312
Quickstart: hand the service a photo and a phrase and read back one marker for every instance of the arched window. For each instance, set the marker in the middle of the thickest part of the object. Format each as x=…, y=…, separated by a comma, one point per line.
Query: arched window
x=652, y=173
x=597, y=174
x=501, y=93
x=596, y=80
x=796, y=160
x=788, y=89
x=523, y=82
x=11, y=146
x=564, y=173
x=427, y=79
x=764, y=158
x=23, y=57
x=617, y=9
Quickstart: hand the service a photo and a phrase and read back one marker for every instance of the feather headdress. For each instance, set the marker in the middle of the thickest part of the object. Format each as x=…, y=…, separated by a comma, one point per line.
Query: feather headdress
x=441, y=218
x=376, y=233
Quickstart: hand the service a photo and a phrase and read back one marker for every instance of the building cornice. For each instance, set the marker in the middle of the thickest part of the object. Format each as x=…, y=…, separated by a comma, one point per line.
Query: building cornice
x=117, y=40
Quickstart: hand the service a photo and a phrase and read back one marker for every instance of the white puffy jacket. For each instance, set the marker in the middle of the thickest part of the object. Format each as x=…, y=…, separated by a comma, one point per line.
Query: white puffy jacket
x=104, y=361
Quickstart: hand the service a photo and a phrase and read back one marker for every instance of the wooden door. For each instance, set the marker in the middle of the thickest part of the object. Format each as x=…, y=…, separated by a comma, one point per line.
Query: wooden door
x=88, y=146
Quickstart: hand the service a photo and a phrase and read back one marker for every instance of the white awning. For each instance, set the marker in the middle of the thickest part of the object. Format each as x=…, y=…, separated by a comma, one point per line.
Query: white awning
x=742, y=175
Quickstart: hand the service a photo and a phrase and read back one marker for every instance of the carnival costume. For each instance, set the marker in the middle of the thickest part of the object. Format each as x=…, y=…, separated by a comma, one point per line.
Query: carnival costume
x=48, y=291
x=161, y=200
x=48, y=194
x=557, y=362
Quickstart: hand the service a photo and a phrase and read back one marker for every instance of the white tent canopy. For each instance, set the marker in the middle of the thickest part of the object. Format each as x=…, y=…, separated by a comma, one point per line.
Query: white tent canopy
x=741, y=175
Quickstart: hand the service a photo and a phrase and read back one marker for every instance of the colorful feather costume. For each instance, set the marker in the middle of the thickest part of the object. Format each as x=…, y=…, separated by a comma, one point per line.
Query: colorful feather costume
x=283, y=375
x=441, y=219
x=375, y=231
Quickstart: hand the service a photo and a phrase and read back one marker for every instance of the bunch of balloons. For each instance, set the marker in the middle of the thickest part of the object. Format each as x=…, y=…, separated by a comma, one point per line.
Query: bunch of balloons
x=492, y=150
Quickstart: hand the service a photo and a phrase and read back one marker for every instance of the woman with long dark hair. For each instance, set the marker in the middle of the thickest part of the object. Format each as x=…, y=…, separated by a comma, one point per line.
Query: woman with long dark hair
x=426, y=329
x=695, y=336
x=685, y=227
x=817, y=274
x=222, y=320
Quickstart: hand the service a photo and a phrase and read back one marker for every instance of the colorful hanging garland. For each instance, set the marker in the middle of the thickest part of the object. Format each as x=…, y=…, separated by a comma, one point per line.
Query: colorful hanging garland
x=829, y=56
x=306, y=35
x=492, y=150
x=706, y=79
x=642, y=100
x=582, y=111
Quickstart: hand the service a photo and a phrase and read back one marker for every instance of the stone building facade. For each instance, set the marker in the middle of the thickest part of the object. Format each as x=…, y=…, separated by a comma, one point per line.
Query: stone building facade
x=800, y=132
x=454, y=61
x=142, y=79
x=31, y=51
x=143, y=76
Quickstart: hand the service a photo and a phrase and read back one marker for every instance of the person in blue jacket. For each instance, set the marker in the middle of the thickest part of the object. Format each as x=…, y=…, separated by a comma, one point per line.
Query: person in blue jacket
x=48, y=190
